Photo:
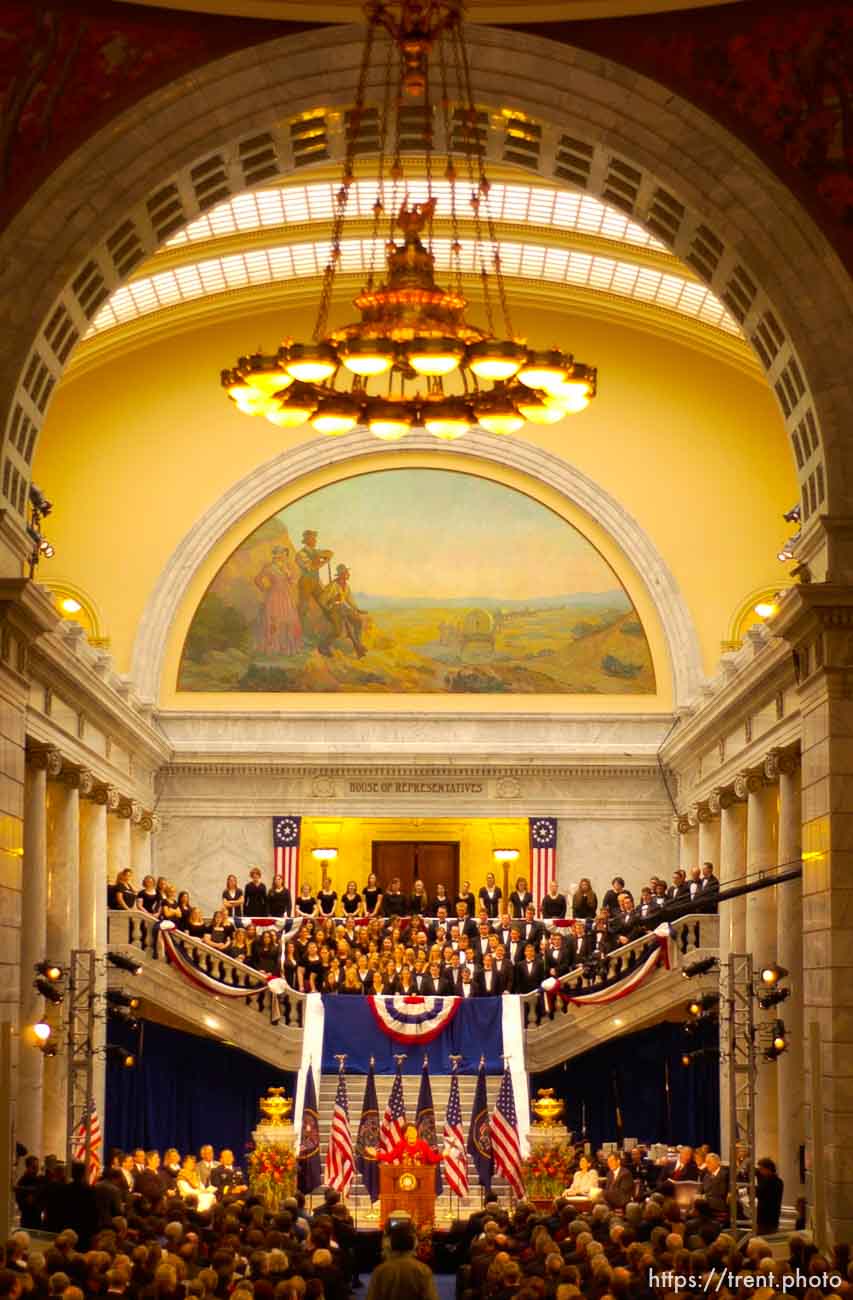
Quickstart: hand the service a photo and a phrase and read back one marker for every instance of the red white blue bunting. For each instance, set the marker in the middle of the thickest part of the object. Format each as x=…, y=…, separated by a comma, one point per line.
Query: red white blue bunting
x=601, y=997
x=178, y=958
x=413, y=1020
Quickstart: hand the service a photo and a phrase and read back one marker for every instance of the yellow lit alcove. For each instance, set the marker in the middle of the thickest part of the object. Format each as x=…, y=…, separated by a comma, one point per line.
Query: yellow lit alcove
x=754, y=611
x=75, y=606
x=352, y=837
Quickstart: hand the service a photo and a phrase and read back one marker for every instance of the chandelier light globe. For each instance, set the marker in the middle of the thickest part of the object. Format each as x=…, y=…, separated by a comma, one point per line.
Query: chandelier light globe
x=388, y=420
x=493, y=360
x=448, y=419
x=537, y=410
x=496, y=412
x=434, y=356
x=368, y=357
x=336, y=414
x=294, y=409
x=545, y=370
x=311, y=363
x=412, y=332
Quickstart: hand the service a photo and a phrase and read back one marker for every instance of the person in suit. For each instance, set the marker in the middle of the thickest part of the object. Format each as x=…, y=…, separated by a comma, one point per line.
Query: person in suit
x=559, y=957
x=715, y=1184
x=619, y=1188
x=467, y=924
x=505, y=969
x=464, y=986
x=227, y=1179
x=438, y=983
x=531, y=929
x=421, y=973
x=529, y=972
x=150, y=1184
x=679, y=890
x=597, y=945
x=487, y=980
x=694, y=884
x=646, y=908
x=503, y=928
x=768, y=1195
x=515, y=947
x=710, y=887
x=626, y=924
x=482, y=944
x=682, y=1169
x=440, y=923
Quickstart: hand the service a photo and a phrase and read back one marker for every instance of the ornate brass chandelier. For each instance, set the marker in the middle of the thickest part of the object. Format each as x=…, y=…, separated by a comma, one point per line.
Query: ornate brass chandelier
x=413, y=360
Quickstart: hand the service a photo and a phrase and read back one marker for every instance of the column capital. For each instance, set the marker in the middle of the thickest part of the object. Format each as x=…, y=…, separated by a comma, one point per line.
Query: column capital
x=720, y=798
x=748, y=782
x=149, y=821
x=703, y=811
x=45, y=758
x=780, y=762
x=79, y=778
x=693, y=816
x=106, y=795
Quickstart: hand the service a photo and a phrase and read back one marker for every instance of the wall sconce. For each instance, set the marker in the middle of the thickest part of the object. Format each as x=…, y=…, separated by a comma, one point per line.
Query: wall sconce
x=324, y=855
x=505, y=855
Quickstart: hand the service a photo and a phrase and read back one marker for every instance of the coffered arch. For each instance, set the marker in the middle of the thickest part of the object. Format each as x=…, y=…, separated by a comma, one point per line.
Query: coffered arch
x=594, y=125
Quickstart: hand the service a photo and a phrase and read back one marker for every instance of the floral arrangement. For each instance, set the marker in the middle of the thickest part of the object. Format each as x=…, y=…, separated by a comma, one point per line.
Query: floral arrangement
x=548, y=1169
x=272, y=1173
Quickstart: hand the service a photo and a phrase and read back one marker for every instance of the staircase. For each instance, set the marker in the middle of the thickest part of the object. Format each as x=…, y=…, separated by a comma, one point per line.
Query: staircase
x=263, y=1024
x=447, y=1208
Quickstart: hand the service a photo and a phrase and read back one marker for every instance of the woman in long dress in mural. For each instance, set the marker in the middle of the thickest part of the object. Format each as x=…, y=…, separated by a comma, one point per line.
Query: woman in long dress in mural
x=280, y=625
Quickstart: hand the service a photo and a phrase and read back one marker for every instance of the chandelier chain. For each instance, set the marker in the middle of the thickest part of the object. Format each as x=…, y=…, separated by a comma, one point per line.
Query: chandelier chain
x=470, y=143
x=379, y=204
x=450, y=169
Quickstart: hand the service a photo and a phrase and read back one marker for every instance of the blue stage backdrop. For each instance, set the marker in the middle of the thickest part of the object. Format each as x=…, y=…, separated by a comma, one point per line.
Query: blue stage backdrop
x=634, y=1069
x=185, y=1091
x=350, y=1026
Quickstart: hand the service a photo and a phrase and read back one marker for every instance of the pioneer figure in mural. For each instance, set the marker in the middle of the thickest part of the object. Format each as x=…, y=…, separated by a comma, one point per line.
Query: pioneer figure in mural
x=345, y=618
x=280, y=625
x=310, y=561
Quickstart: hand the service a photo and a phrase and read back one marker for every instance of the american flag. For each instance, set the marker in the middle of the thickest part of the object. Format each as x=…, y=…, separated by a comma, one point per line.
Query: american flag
x=393, y=1126
x=340, y=1158
x=91, y=1122
x=505, y=1142
x=455, y=1160
x=543, y=856
x=285, y=839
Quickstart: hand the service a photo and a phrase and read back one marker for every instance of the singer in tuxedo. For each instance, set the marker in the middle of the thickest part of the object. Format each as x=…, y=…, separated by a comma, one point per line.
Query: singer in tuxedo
x=529, y=972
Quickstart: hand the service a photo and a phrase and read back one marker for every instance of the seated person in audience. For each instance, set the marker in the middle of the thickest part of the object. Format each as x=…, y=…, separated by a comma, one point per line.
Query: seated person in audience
x=610, y=901
x=122, y=895
x=326, y=899
x=279, y=902
x=255, y=895
x=585, y=1181
x=520, y=898
x=394, y=901
x=219, y=933
x=619, y=1187
x=170, y=1168
x=418, y=903
x=490, y=896
x=584, y=901
x=465, y=896
x=529, y=972
x=682, y=1169
x=191, y=1189
x=227, y=1179
x=205, y=1164
x=148, y=898
x=306, y=903
x=553, y=905
x=351, y=901
x=232, y=897
x=372, y=894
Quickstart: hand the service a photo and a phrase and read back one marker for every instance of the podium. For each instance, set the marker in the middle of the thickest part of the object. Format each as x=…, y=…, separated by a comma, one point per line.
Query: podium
x=408, y=1187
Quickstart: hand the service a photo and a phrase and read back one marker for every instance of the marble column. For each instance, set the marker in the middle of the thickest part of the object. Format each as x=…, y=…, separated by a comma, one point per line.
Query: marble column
x=93, y=916
x=710, y=832
x=762, y=830
x=28, y=1114
x=140, y=852
x=688, y=849
x=790, y=1067
x=62, y=935
x=118, y=844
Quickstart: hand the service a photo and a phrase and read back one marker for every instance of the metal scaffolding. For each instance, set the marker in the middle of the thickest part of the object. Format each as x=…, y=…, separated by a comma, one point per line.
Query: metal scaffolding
x=738, y=1004
x=81, y=1032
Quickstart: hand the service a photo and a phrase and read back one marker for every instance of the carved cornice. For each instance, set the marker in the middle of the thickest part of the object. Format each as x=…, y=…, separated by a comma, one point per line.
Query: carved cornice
x=406, y=771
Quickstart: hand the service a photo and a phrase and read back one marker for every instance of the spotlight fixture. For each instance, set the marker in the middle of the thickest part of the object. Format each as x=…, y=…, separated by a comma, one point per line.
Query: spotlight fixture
x=780, y=1040
x=42, y=1030
x=39, y=501
x=116, y=998
x=48, y=1049
x=49, y=970
x=123, y=1014
x=113, y=1052
x=702, y=967
x=686, y=1059
x=787, y=551
x=438, y=370
x=124, y=963
x=773, y=973
x=773, y=998
x=704, y=1006
x=47, y=989
x=793, y=515
x=46, y=549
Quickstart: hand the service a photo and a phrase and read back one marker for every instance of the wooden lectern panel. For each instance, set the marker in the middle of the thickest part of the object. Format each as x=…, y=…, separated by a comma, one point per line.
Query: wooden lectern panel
x=407, y=1187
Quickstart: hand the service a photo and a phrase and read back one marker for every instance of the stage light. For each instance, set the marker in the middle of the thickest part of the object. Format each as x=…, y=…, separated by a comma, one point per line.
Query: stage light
x=773, y=998
x=42, y=1030
x=702, y=967
x=780, y=1041
x=704, y=1006
x=792, y=516
x=113, y=1052
x=124, y=963
x=686, y=1058
x=773, y=973
x=49, y=970
x=47, y=989
x=116, y=998
x=123, y=1014
x=49, y=1049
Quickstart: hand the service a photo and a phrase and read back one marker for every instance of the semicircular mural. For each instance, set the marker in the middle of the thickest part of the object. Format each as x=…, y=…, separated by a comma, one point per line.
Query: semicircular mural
x=417, y=580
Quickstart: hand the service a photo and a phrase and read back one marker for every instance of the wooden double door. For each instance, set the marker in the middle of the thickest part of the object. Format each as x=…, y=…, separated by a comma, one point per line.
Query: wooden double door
x=435, y=862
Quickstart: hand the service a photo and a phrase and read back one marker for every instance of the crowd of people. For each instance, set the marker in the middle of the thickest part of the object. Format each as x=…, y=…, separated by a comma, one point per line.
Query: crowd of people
x=145, y=1231
x=379, y=940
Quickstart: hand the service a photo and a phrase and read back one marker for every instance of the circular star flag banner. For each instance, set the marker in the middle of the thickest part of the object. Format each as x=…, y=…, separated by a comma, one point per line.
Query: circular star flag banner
x=413, y=1020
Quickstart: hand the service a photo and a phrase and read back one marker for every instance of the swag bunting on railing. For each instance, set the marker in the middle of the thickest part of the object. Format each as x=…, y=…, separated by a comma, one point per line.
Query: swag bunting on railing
x=554, y=991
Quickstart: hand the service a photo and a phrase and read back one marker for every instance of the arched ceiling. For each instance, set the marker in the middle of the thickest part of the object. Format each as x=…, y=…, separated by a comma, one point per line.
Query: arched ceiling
x=485, y=11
